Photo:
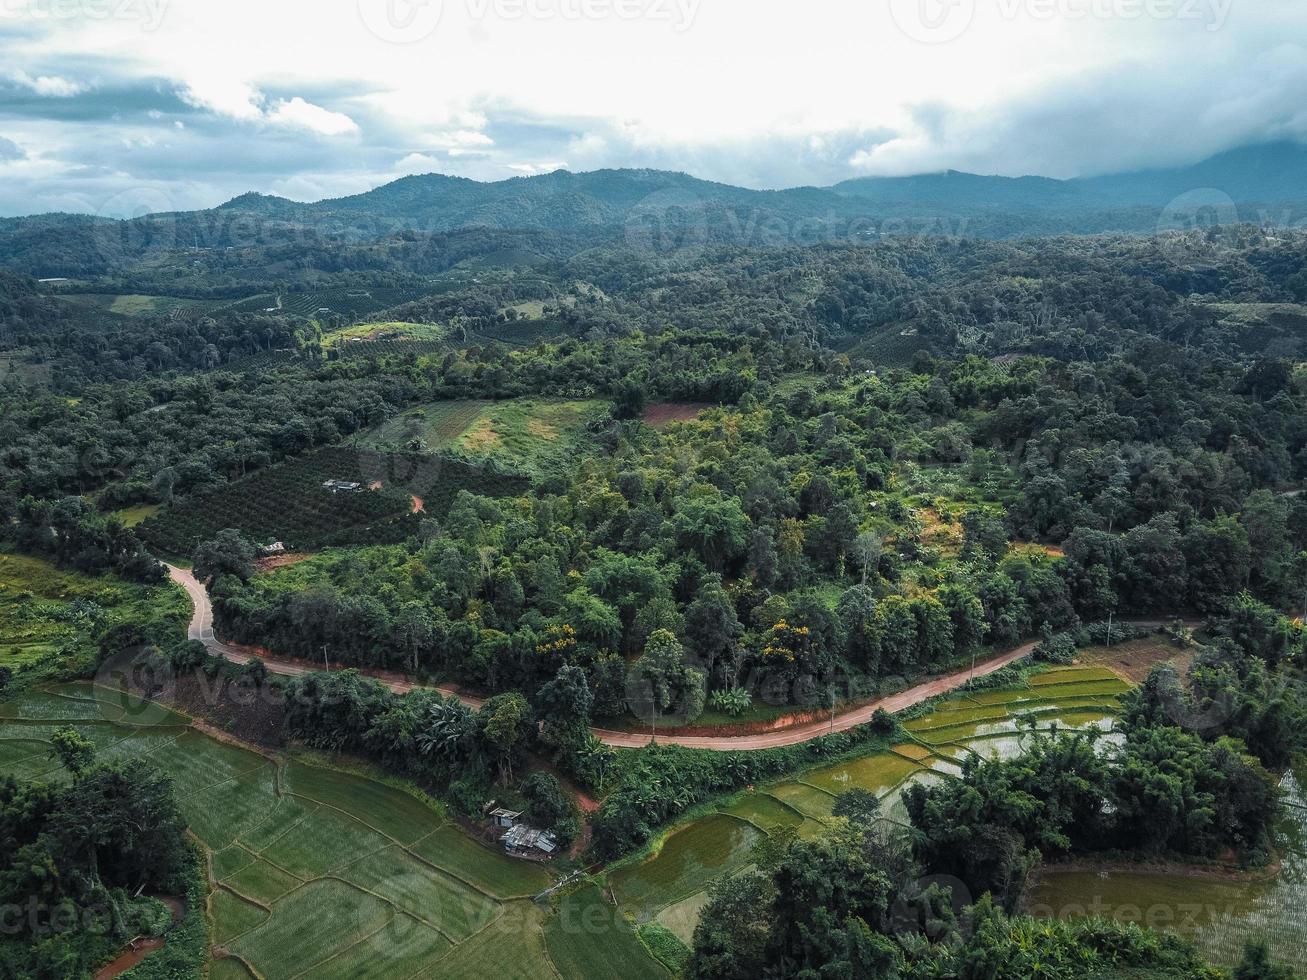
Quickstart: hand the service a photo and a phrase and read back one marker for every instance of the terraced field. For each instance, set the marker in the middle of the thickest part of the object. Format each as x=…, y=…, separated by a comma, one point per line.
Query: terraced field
x=323, y=873
x=669, y=886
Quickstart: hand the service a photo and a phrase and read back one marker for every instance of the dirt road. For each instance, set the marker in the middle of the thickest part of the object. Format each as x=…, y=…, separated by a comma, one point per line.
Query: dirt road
x=201, y=628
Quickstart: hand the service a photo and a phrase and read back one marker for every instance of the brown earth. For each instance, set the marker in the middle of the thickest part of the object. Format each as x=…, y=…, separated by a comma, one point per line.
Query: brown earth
x=668, y=412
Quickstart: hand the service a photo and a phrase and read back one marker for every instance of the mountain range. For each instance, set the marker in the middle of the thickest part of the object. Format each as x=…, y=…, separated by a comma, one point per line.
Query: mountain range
x=1265, y=183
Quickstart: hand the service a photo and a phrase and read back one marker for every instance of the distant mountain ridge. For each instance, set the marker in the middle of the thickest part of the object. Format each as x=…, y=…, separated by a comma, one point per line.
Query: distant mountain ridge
x=1265, y=173
x=564, y=211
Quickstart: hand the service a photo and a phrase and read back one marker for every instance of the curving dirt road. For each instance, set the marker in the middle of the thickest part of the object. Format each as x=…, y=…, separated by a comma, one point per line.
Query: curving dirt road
x=201, y=628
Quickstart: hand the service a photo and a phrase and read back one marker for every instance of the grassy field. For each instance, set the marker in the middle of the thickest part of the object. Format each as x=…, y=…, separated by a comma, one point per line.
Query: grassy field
x=131, y=516
x=530, y=434
x=134, y=304
x=14, y=364
x=389, y=330
x=44, y=609
x=668, y=886
x=589, y=938
x=325, y=873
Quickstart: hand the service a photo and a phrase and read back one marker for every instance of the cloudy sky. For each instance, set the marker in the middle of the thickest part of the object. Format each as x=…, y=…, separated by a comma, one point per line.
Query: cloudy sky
x=122, y=106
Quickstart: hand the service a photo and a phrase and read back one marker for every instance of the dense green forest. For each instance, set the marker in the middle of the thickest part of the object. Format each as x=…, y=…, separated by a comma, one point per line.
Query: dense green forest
x=706, y=484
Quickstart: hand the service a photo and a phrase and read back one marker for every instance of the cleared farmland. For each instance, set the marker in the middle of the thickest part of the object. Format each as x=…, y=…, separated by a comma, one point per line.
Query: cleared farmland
x=535, y=435
x=322, y=873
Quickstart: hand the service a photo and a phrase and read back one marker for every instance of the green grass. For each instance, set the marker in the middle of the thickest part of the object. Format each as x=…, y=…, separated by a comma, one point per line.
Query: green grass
x=665, y=945
x=384, y=330
x=131, y=516
x=314, y=923
x=510, y=948
x=45, y=609
x=765, y=812
x=392, y=812
x=322, y=842
x=808, y=800
x=534, y=434
x=262, y=882
x=137, y=304
x=489, y=870
x=689, y=859
x=440, y=901
x=877, y=773
x=401, y=948
x=232, y=915
x=587, y=937
x=229, y=968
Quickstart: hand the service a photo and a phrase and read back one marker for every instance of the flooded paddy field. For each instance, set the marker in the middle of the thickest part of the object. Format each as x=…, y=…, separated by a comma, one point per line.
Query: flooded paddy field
x=670, y=885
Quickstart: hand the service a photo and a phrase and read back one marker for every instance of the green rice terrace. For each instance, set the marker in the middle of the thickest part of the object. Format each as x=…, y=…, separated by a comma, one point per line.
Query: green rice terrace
x=668, y=886
x=318, y=872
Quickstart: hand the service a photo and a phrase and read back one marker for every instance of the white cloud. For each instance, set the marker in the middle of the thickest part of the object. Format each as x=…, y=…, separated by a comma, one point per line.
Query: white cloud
x=50, y=86
x=544, y=167
x=299, y=114
x=227, y=96
x=765, y=93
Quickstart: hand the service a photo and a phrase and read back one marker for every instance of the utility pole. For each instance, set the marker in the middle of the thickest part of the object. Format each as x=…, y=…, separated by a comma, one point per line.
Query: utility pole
x=325, y=662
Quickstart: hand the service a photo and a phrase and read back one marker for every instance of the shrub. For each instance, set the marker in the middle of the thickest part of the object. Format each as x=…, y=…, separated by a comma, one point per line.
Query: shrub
x=733, y=701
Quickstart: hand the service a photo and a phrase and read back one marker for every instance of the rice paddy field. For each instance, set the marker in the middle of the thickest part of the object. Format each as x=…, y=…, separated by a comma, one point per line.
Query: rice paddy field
x=1217, y=913
x=532, y=434
x=669, y=886
x=323, y=873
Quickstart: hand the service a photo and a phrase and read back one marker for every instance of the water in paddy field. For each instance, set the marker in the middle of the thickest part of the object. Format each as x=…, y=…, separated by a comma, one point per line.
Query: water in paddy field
x=1218, y=914
x=669, y=886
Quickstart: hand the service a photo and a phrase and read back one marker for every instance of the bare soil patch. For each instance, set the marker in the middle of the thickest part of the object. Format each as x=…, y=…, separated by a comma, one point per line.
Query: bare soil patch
x=273, y=562
x=668, y=412
x=1133, y=659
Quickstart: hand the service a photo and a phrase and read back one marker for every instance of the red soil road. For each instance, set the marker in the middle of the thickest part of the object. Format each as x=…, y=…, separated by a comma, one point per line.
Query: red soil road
x=201, y=628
